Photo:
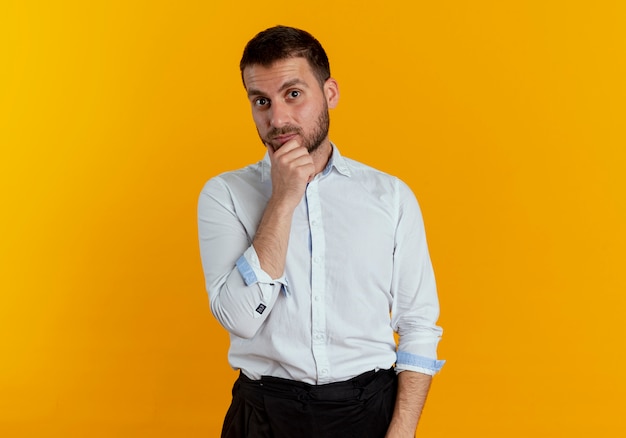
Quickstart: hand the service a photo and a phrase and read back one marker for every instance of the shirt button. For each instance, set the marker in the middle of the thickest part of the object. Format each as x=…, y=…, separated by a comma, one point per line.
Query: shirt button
x=323, y=371
x=316, y=259
x=317, y=298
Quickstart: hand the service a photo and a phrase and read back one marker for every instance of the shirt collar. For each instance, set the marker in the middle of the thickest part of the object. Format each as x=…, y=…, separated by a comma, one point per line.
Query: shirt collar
x=336, y=160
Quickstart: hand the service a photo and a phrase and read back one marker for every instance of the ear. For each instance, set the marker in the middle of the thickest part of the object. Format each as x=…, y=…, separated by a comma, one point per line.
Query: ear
x=331, y=91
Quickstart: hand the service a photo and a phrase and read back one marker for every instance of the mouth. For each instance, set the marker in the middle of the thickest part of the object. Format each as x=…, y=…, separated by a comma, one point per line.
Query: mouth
x=282, y=139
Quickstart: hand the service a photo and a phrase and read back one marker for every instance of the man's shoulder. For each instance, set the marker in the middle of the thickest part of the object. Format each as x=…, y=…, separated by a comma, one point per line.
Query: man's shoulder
x=360, y=169
x=252, y=170
x=375, y=179
x=245, y=176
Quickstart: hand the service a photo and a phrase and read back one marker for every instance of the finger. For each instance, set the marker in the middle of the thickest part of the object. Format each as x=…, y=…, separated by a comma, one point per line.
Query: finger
x=289, y=146
x=305, y=167
x=292, y=152
x=294, y=160
x=299, y=157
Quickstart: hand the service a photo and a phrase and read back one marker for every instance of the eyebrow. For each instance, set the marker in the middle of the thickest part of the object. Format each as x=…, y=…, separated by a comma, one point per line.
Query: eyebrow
x=284, y=86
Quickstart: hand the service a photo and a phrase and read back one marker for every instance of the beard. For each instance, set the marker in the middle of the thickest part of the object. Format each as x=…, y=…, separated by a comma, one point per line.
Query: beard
x=312, y=141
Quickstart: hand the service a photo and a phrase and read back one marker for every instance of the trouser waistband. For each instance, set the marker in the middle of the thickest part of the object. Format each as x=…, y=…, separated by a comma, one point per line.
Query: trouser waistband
x=362, y=386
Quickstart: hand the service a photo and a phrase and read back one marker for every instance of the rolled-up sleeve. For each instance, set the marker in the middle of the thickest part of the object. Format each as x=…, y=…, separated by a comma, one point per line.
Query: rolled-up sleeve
x=415, y=307
x=241, y=294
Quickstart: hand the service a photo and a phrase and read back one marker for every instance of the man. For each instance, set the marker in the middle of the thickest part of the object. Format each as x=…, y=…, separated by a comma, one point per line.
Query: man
x=312, y=261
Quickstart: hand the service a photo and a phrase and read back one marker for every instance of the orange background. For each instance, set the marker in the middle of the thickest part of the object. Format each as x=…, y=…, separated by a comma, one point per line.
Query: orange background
x=506, y=119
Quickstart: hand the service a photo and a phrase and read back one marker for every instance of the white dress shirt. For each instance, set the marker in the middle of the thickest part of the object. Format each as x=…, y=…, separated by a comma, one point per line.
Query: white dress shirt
x=357, y=270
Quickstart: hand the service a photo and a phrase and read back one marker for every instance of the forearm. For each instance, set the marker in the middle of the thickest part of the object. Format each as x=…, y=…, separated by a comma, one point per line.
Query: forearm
x=272, y=237
x=413, y=388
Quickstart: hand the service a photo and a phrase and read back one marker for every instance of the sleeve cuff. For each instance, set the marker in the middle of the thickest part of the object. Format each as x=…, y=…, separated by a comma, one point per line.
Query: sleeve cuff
x=412, y=362
x=246, y=271
x=250, y=269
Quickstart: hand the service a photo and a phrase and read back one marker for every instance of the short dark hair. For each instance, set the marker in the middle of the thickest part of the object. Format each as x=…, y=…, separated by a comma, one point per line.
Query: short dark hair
x=283, y=42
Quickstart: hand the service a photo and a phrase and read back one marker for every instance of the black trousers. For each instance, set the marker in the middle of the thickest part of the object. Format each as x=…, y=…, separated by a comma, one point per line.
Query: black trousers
x=279, y=408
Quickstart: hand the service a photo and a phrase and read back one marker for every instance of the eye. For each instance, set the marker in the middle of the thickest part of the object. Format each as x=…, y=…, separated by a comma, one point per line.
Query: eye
x=294, y=94
x=261, y=101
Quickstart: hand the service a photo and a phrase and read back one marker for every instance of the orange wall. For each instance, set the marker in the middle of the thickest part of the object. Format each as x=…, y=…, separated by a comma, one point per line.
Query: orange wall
x=506, y=118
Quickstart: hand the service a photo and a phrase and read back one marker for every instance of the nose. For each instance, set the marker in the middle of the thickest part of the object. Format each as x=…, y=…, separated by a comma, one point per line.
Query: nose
x=279, y=114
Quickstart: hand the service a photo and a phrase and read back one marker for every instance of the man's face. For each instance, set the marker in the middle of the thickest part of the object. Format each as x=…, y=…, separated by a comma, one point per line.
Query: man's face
x=289, y=103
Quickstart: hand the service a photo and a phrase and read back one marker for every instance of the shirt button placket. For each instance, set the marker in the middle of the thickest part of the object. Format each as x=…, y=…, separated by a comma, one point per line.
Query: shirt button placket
x=318, y=281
